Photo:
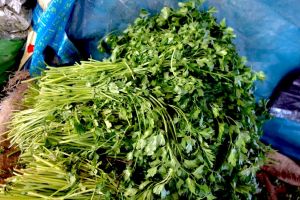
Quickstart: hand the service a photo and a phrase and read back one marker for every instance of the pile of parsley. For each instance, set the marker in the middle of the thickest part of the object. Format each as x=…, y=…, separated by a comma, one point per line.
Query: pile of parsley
x=170, y=115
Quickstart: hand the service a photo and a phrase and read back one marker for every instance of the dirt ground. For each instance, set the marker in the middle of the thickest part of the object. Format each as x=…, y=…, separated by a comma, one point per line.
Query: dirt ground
x=8, y=161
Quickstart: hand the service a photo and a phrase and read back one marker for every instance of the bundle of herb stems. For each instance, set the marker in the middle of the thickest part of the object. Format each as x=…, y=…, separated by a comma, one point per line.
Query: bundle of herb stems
x=170, y=115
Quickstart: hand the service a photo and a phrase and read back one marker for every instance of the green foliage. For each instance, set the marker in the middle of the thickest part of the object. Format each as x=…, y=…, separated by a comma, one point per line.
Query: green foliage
x=172, y=115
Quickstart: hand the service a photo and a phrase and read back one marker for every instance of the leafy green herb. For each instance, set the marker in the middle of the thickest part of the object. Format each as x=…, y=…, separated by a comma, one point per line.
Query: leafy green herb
x=170, y=115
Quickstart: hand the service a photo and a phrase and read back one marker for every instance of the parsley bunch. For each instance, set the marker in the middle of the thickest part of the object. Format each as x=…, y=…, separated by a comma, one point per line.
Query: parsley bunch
x=192, y=64
x=170, y=115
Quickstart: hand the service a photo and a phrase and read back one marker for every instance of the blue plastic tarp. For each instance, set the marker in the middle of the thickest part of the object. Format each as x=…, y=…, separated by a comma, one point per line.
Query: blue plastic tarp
x=283, y=134
x=92, y=20
x=268, y=34
x=50, y=26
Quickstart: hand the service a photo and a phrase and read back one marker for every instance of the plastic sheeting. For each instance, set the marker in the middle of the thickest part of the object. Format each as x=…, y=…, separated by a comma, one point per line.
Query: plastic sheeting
x=268, y=34
x=15, y=19
x=92, y=20
x=286, y=98
x=9, y=52
x=283, y=135
x=268, y=31
x=283, y=132
x=50, y=27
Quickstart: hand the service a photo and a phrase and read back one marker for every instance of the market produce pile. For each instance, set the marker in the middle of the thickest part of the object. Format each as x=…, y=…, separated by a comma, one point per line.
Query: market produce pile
x=171, y=114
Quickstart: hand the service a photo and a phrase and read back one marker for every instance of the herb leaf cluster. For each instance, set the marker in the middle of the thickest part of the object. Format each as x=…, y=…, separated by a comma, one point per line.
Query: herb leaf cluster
x=170, y=115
